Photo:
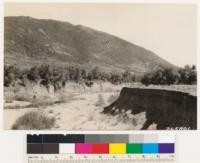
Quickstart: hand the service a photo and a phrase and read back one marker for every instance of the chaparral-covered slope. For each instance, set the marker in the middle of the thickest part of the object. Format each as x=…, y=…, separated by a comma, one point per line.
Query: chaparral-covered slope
x=30, y=41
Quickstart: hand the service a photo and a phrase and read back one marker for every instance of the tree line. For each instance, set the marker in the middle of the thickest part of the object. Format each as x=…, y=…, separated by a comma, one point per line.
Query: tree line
x=58, y=76
x=168, y=76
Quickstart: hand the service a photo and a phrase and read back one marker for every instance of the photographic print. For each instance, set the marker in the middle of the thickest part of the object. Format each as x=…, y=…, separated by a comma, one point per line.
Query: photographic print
x=100, y=66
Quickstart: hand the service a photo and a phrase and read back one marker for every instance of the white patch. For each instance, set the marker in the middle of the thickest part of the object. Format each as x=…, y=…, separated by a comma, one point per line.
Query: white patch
x=42, y=31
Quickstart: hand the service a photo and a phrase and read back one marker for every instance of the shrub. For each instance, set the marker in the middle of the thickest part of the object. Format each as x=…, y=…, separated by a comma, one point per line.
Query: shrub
x=116, y=78
x=34, y=121
x=9, y=75
x=147, y=79
x=96, y=73
x=33, y=74
x=188, y=75
x=89, y=83
x=166, y=76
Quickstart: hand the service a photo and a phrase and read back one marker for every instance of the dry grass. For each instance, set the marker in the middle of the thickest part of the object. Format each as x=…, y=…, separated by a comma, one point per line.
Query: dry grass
x=34, y=121
x=37, y=96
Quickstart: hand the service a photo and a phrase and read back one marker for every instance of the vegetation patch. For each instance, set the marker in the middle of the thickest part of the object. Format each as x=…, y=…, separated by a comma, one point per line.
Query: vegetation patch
x=168, y=76
x=34, y=121
x=58, y=76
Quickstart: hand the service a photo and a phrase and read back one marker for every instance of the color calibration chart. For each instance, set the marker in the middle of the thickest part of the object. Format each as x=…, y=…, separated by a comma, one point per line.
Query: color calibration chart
x=100, y=148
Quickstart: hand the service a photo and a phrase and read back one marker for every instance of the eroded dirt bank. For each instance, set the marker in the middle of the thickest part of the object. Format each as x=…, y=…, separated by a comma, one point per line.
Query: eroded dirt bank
x=167, y=109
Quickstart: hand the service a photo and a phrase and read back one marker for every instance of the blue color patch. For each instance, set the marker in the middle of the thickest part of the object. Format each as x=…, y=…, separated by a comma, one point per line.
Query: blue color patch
x=150, y=148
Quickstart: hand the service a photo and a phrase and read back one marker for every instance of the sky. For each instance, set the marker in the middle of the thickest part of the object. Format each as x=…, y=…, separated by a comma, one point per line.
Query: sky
x=169, y=30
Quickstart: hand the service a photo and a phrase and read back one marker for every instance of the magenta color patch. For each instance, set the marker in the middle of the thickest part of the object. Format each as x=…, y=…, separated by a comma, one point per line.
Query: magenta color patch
x=83, y=148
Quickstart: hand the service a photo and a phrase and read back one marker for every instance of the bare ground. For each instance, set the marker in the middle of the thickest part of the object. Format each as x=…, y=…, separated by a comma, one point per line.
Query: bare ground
x=76, y=109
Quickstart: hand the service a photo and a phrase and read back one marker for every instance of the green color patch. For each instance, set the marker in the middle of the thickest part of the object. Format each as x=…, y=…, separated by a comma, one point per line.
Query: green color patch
x=133, y=148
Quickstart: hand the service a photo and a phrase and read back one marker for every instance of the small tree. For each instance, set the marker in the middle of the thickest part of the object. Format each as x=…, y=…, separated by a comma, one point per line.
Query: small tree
x=9, y=75
x=161, y=76
x=116, y=78
x=33, y=74
x=188, y=75
x=96, y=73
x=146, y=79
x=77, y=75
x=126, y=76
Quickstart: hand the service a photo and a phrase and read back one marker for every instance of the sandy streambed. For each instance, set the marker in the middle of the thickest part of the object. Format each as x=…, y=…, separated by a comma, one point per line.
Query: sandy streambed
x=80, y=113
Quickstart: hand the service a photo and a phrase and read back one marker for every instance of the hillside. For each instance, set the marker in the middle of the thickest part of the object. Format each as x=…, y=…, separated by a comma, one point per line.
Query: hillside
x=30, y=41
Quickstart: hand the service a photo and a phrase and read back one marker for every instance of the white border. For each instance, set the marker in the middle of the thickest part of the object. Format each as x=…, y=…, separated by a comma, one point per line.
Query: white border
x=105, y=1
x=21, y=133
x=197, y=2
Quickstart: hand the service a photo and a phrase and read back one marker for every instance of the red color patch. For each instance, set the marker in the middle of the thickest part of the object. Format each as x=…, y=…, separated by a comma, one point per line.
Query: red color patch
x=100, y=148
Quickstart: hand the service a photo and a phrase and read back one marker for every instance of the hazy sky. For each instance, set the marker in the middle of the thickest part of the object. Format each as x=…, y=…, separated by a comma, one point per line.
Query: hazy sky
x=169, y=30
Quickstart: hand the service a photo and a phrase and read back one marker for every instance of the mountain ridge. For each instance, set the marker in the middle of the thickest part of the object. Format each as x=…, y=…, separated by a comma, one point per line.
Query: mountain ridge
x=30, y=41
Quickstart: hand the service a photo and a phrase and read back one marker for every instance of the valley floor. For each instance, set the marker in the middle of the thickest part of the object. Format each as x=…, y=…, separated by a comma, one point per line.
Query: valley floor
x=82, y=110
x=79, y=114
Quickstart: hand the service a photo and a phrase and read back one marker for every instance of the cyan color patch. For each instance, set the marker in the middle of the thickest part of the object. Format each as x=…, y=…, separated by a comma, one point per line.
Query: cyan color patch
x=150, y=148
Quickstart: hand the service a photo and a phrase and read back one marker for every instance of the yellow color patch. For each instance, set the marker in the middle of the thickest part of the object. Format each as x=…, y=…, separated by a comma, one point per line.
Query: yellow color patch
x=117, y=148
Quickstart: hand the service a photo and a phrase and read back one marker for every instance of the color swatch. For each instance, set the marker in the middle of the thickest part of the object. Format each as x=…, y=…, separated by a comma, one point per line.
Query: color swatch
x=117, y=148
x=66, y=148
x=133, y=148
x=150, y=148
x=99, y=144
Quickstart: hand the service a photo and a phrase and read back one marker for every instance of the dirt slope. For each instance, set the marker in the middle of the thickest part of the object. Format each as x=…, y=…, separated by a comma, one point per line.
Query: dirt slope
x=164, y=108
